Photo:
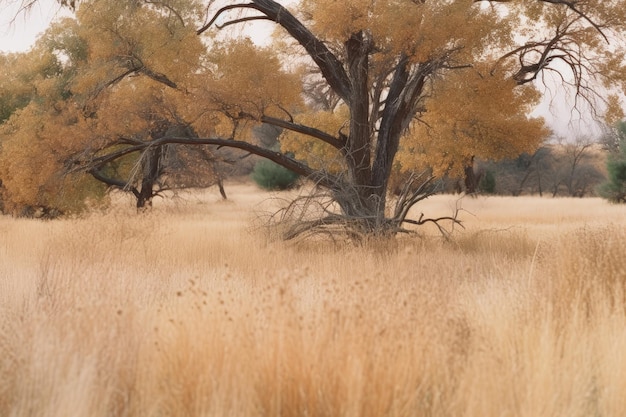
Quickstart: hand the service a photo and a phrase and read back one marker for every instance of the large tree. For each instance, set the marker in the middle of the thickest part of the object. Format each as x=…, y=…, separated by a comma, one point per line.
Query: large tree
x=72, y=98
x=441, y=80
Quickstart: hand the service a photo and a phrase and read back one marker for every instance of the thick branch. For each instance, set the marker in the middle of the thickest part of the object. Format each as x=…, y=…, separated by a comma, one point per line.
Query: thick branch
x=404, y=94
x=277, y=157
x=158, y=77
x=221, y=12
x=392, y=106
x=111, y=182
x=306, y=130
x=300, y=168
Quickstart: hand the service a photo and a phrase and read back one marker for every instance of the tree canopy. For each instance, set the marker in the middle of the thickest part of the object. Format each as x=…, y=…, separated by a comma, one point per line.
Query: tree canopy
x=90, y=85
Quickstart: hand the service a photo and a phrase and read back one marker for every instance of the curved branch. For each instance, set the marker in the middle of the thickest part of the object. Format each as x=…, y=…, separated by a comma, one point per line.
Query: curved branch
x=305, y=130
x=330, y=66
x=242, y=20
x=111, y=182
x=322, y=178
x=168, y=7
x=221, y=12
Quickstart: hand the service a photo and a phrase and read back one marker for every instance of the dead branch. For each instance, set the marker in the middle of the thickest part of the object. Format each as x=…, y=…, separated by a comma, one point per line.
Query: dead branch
x=221, y=12
x=242, y=20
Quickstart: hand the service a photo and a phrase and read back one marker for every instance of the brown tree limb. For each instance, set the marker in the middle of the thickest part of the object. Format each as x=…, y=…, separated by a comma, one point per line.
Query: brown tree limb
x=112, y=182
x=322, y=178
x=221, y=11
x=242, y=20
x=306, y=130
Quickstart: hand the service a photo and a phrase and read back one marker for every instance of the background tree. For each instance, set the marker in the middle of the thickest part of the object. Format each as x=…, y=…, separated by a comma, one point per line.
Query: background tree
x=615, y=188
x=38, y=120
x=78, y=83
x=568, y=168
x=577, y=170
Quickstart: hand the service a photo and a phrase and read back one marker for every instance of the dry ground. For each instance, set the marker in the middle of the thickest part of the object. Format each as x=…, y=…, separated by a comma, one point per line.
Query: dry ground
x=191, y=311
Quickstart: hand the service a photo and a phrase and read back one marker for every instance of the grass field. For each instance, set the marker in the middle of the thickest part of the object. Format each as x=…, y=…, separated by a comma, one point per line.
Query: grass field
x=191, y=311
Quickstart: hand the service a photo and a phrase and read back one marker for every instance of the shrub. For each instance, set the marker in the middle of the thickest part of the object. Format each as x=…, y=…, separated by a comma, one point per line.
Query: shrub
x=488, y=183
x=271, y=176
x=615, y=188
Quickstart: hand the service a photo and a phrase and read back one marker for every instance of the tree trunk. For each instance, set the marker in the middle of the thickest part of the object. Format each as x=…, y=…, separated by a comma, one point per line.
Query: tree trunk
x=220, y=184
x=471, y=182
x=151, y=168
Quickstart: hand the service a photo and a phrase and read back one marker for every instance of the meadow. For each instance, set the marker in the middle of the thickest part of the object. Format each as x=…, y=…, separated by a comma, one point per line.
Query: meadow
x=193, y=310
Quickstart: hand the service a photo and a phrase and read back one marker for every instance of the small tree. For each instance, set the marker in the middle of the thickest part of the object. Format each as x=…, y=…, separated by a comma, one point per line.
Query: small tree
x=574, y=155
x=488, y=183
x=271, y=176
x=615, y=188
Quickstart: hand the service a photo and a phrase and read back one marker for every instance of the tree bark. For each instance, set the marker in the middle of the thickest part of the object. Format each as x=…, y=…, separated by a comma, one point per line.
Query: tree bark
x=151, y=169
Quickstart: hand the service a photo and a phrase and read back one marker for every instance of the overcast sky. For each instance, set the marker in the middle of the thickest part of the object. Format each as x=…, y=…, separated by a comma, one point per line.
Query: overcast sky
x=19, y=30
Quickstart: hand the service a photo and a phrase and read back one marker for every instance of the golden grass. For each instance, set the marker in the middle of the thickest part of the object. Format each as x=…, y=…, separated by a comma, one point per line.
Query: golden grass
x=190, y=311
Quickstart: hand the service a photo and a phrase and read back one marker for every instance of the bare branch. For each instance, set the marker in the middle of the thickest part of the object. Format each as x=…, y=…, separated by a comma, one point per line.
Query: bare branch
x=221, y=12
x=242, y=20
x=111, y=182
x=300, y=168
x=306, y=130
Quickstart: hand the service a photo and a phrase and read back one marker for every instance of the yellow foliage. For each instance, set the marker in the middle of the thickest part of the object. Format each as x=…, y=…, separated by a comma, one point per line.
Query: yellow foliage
x=252, y=77
x=614, y=111
x=317, y=154
x=417, y=29
x=472, y=113
x=241, y=82
x=35, y=146
x=122, y=35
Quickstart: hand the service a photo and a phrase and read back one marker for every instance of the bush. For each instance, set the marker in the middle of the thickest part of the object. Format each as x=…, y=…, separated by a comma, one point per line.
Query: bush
x=271, y=176
x=615, y=188
x=488, y=183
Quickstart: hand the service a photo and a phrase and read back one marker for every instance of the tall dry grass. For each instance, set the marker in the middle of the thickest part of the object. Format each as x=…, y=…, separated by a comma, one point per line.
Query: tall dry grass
x=191, y=311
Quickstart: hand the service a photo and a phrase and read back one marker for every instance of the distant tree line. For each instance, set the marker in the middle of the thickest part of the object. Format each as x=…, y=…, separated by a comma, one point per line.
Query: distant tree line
x=574, y=169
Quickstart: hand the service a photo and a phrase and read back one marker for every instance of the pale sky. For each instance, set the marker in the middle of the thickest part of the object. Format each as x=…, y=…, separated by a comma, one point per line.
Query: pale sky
x=19, y=30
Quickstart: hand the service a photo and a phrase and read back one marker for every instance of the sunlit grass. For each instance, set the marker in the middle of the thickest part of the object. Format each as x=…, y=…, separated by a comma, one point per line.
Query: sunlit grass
x=190, y=311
